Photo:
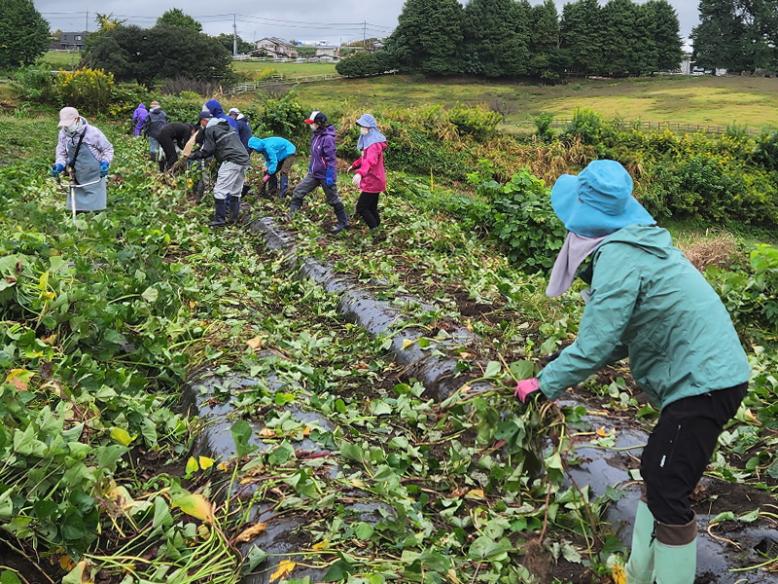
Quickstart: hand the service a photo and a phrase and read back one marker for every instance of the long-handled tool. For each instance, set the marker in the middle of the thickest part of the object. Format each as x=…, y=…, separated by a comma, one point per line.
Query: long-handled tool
x=72, y=190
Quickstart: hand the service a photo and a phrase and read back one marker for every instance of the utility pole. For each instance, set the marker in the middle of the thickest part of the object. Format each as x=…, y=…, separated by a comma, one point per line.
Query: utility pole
x=234, y=35
x=364, y=35
x=86, y=21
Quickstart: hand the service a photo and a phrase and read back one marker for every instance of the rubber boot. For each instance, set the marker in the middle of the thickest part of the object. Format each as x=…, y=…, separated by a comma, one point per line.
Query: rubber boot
x=294, y=206
x=220, y=212
x=234, y=203
x=675, y=553
x=640, y=567
x=340, y=213
x=284, y=186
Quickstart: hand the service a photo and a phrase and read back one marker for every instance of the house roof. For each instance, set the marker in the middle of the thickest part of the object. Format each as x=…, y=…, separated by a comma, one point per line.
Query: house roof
x=277, y=41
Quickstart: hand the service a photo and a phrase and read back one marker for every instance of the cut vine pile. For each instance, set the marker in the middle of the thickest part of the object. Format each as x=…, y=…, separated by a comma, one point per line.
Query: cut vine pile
x=316, y=456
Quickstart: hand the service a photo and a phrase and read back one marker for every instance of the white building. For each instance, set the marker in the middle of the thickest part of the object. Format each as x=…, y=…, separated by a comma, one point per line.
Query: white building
x=276, y=48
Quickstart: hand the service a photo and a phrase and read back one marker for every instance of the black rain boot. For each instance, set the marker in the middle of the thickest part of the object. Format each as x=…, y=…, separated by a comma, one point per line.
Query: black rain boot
x=219, y=215
x=294, y=206
x=284, y=186
x=234, y=203
x=340, y=213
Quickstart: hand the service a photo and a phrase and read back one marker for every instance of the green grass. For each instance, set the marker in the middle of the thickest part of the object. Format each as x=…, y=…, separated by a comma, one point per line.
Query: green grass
x=288, y=69
x=715, y=101
x=61, y=59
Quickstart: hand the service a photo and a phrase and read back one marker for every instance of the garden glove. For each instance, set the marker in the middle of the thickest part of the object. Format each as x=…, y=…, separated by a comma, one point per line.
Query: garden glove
x=357, y=180
x=104, y=168
x=525, y=388
x=56, y=170
x=265, y=178
x=330, y=176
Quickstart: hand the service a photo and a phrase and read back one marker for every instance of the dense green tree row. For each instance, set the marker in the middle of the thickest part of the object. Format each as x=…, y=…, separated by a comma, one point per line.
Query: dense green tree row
x=739, y=35
x=511, y=38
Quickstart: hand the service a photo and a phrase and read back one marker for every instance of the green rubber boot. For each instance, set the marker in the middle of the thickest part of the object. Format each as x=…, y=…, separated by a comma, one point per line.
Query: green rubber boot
x=675, y=553
x=640, y=568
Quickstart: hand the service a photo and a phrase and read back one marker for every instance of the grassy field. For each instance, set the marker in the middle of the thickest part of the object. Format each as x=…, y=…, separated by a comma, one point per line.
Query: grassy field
x=719, y=101
x=288, y=69
x=63, y=59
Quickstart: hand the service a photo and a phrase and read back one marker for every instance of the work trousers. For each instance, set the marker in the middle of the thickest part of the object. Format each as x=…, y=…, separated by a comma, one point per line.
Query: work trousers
x=367, y=208
x=680, y=448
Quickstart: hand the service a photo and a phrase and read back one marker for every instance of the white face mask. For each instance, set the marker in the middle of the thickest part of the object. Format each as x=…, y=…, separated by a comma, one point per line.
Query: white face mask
x=74, y=127
x=314, y=127
x=364, y=131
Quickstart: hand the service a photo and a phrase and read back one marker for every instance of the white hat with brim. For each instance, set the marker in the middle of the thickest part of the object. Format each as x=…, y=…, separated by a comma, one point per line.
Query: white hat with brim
x=234, y=110
x=68, y=116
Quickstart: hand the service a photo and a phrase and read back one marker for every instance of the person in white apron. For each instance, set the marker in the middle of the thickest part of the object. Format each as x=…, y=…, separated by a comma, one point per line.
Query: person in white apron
x=85, y=154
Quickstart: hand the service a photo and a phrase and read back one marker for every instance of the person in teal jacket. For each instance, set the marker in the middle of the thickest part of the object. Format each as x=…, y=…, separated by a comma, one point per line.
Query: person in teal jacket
x=279, y=154
x=647, y=302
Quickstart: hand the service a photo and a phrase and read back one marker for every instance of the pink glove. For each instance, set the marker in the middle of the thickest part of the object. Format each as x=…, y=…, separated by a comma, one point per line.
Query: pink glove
x=526, y=388
x=265, y=178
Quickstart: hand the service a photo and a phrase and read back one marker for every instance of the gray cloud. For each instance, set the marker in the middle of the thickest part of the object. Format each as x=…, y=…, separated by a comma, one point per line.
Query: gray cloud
x=331, y=20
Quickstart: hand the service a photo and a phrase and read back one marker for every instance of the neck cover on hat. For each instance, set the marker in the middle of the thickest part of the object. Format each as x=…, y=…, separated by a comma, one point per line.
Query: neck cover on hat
x=573, y=253
x=373, y=136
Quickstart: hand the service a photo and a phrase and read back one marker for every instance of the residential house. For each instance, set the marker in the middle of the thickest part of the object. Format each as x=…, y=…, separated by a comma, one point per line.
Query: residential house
x=327, y=53
x=70, y=41
x=276, y=48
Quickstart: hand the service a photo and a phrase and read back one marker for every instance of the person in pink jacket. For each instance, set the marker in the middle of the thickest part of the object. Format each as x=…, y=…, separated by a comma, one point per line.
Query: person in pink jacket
x=370, y=175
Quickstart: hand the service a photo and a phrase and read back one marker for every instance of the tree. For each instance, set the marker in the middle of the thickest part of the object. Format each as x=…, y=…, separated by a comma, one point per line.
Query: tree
x=428, y=37
x=176, y=17
x=107, y=22
x=664, y=29
x=545, y=62
x=162, y=52
x=496, y=37
x=719, y=38
x=581, y=39
x=622, y=39
x=24, y=34
x=226, y=41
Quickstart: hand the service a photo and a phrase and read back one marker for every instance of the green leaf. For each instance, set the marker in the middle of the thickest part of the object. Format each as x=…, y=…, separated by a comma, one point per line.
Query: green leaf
x=150, y=294
x=8, y=577
x=122, y=436
x=363, y=530
x=162, y=516
x=493, y=369
x=281, y=454
x=523, y=369
x=255, y=557
x=352, y=452
x=241, y=434
x=191, y=466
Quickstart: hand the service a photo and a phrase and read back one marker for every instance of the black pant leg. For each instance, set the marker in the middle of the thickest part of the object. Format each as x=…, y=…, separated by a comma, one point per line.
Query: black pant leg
x=680, y=448
x=365, y=210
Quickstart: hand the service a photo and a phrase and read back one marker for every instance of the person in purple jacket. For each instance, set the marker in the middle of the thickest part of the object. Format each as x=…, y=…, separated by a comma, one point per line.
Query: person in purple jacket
x=139, y=117
x=322, y=170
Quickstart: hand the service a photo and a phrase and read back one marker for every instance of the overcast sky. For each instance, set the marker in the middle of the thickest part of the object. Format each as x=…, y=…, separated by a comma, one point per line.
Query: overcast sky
x=331, y=20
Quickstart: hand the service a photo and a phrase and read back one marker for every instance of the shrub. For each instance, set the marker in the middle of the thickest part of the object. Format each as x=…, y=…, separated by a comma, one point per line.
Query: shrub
x=89, y=89
x=524, y=221
x=589, y=127
x=365, y=64
x=751, y=298
x=282, y=117
x=125, y=97
x=35, y=83
x=766, y=151
x=543, y=124
x=480, y=123
x=182, y=108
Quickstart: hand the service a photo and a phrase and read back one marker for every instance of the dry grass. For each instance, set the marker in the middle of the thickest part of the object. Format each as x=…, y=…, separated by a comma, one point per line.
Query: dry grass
x=720, y=251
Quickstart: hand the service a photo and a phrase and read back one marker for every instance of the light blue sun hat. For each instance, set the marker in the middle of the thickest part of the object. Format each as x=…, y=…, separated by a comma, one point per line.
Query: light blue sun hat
x=598, y=201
